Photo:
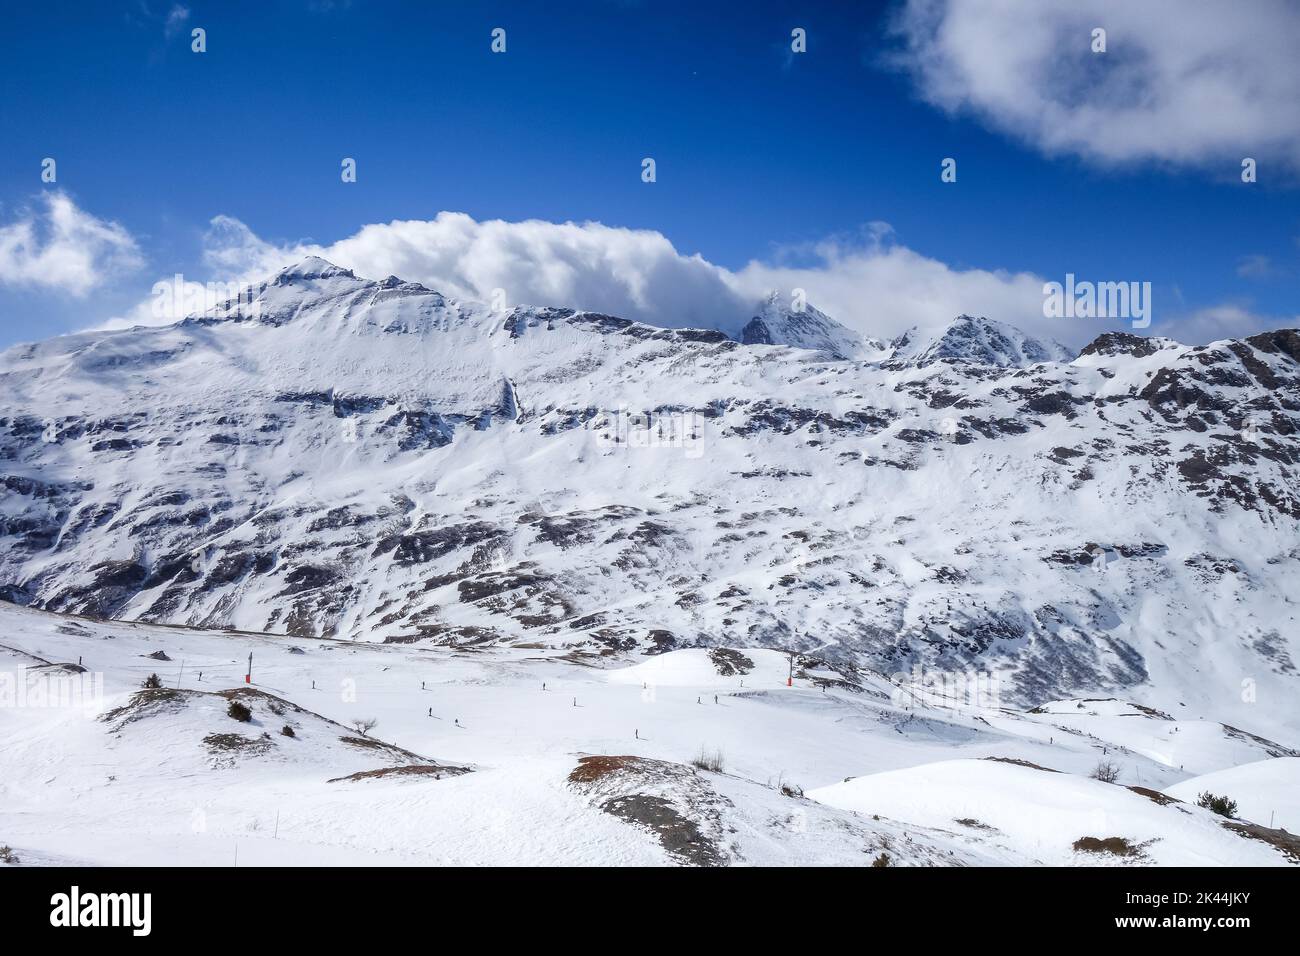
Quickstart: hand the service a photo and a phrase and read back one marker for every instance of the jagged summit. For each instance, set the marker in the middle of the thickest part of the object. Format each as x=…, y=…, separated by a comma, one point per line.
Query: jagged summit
x=1126, y=343
x=393, y=282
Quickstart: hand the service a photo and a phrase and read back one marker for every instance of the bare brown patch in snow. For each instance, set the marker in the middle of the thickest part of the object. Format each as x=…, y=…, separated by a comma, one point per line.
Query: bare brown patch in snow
x=231, y=744
x=1288, y=844
x=1115, y=846
x=1155, y=796
x=414, y=770
x=148, y=703
x=1022, y=763
x=590, y=769
x=668, y=799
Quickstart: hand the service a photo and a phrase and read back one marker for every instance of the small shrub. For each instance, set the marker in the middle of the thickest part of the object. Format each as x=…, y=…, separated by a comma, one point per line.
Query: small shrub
x=1107, y=771
x=792, y=789
x=287, y=731
x=882, y=860
x=7, y=855
x=239, y=711
x=709, y=761
x=1223, y=806
x=364, y=725
x=153, y=682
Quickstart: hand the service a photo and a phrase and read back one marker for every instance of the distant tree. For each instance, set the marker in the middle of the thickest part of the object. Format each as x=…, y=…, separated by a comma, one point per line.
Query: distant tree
x=1223, y=806
x=153, y=682
x=1107, y=771
x=363, y=725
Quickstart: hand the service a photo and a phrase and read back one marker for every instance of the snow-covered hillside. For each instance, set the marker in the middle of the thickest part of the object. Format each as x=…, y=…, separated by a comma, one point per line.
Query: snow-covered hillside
x=335, y=457
x=549, y=755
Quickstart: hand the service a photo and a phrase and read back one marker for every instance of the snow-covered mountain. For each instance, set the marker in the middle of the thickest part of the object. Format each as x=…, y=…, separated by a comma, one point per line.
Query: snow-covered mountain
x=978, y=340
x=778, y=322
x=370, y=460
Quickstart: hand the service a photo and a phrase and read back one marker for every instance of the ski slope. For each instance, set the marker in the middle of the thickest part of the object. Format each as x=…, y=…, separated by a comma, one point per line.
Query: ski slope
x=129, y=777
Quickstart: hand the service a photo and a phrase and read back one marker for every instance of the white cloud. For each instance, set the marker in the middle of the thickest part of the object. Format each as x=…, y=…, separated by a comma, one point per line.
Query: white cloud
x=1227, y=321
x=882, y=288
x=635, y=273
x=1254, y=267
x=632, y=273
x=176, y=19
x=64, y=248
x=869, y=282
x=1188, y=82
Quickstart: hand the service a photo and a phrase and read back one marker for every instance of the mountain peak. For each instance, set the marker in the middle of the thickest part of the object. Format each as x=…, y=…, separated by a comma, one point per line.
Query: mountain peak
x=800, y=325
x=979, y=340
x=313, y=267
x=1126, y=343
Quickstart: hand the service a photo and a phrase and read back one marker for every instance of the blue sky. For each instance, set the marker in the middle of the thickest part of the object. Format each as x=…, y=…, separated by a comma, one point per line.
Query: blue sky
x=760, y=153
